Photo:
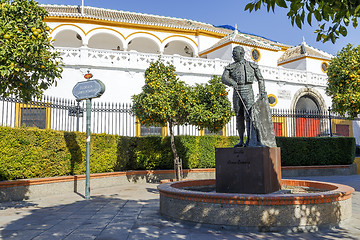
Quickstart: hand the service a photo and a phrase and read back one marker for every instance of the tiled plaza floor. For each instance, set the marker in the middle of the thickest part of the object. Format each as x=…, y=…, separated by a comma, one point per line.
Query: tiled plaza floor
x=132, y=212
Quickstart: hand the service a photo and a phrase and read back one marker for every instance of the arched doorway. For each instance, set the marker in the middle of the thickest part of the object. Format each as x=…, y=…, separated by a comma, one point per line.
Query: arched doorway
x=307, y=117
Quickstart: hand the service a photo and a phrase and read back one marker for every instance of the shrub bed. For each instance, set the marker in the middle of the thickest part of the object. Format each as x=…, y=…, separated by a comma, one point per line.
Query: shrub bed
x=298, y=151
x=33, y=153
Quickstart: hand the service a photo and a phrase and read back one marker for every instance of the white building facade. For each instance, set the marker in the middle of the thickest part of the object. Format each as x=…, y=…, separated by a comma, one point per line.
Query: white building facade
x=117, y=47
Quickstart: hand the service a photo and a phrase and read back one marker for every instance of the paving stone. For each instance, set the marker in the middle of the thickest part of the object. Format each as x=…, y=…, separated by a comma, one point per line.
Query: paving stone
x=134, y=214
x=19, y=235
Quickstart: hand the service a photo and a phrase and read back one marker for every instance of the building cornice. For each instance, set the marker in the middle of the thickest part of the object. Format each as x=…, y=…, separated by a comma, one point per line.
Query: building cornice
x=302, y=57
x=85, y=20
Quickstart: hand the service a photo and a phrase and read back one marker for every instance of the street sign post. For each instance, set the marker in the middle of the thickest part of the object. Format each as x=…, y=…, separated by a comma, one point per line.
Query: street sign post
x=88, y=90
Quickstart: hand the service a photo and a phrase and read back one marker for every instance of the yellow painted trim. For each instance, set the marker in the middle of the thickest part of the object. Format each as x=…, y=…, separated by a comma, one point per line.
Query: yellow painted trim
x=228, y=43
x=224, y=131
x=145, y=33
x=276, y=100
x=294, y=60
x=283, y=48
x=161, y=41
x=137, y=127
x=335, y=122
x=164, y=131
x=202, y=131
x=181, y=37
x=20, y=106
x=106, y=29
x=196, y=32
x=357, y=161
x=134, y=26
x=327, y=66
x=255, y=49
x=214, y=49
x=283, y=122
x=68, y=24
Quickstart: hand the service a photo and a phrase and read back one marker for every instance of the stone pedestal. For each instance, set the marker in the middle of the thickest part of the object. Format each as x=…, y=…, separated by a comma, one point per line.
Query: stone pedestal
x=255, y=170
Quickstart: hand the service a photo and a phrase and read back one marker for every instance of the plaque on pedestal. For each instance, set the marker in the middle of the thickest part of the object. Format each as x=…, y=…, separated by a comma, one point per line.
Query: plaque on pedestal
x=255, y=170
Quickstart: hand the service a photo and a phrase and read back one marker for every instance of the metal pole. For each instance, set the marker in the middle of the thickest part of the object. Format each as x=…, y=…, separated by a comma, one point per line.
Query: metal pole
x=88, y=132
x=329, y=109
x=77, y=115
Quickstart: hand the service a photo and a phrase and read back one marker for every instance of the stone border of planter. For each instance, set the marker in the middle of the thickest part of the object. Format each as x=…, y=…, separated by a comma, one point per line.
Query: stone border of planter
x=262, y=212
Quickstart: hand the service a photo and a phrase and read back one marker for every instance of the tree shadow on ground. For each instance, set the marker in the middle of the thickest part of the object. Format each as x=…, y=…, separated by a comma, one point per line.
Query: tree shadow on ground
x=74, y=149
x=15, y=193
x=115, y=217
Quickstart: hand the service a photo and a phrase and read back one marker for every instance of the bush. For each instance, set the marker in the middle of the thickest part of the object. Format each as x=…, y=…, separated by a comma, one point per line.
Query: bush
x=33, y=153
x=299, y=151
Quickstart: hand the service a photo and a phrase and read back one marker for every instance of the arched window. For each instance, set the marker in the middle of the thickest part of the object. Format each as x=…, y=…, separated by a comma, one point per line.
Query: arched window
x=105, y=41
x=144, y=45
x=68, y=38
x=178, y=47
x=307, y=103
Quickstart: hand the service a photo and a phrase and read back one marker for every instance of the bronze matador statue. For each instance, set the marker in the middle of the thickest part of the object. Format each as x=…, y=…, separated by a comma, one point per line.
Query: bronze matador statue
x=240, y=75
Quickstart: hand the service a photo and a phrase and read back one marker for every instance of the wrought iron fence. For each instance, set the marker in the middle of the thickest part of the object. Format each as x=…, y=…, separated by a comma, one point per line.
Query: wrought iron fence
x=115, y=118
x=67, y=115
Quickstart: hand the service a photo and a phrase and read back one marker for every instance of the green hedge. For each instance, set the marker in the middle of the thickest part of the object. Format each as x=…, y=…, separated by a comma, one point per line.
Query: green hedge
x=298, y=151
x=33, y=153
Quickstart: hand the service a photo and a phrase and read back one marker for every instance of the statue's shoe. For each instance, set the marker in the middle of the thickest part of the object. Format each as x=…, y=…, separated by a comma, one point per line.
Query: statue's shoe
x=240, y=144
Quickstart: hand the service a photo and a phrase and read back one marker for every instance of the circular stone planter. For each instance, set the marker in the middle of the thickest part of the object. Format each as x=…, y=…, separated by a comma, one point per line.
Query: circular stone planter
x=262, y=212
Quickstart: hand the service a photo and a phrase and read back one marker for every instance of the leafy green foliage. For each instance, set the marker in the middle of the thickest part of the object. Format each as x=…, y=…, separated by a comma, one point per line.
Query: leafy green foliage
x=32, y=153
x=210, y=107
x=338, y=14
x=164, y=98
x=344, y=81
x=167, y=101
x=299, y=151
x=28, y=66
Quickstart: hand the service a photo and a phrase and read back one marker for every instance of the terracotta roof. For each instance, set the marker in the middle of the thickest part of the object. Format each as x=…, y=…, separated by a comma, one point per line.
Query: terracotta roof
x=130, y=17
x=155, y=20
x=303, y=50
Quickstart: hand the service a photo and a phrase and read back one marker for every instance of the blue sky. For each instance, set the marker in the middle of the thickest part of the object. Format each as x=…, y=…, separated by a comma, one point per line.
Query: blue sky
x=274, y=26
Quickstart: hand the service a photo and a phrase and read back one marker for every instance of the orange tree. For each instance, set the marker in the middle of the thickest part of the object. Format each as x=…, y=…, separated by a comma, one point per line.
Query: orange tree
x=344, y=81
x=167, y=101
x=211, y=107
x=27, y=63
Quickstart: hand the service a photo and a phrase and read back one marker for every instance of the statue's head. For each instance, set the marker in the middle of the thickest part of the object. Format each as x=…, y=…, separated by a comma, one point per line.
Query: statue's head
x=238, y=53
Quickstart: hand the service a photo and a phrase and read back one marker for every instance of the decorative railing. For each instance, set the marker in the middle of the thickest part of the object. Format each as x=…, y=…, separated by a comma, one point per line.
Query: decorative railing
x=185, y=65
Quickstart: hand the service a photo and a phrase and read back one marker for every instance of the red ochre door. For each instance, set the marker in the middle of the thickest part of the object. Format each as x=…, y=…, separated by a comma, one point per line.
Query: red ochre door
x=278, y=129
x=307, y=127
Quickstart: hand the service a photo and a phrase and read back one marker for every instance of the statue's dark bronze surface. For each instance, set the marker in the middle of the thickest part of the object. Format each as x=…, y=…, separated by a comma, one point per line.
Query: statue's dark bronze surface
x=240, y=75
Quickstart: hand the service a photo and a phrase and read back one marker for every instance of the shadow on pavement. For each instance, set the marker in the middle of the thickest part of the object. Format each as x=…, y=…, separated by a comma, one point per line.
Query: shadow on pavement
x=115, y=218
x=116, y=215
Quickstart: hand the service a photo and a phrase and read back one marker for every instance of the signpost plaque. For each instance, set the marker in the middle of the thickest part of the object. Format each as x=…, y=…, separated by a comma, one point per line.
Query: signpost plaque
x=88, y=90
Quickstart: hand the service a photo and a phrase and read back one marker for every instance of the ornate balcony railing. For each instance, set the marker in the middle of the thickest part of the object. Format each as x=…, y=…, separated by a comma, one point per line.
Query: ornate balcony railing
x=133, y=60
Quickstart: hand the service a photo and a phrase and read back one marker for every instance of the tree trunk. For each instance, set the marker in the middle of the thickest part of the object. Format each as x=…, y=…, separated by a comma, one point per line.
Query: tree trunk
x=177, y=162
